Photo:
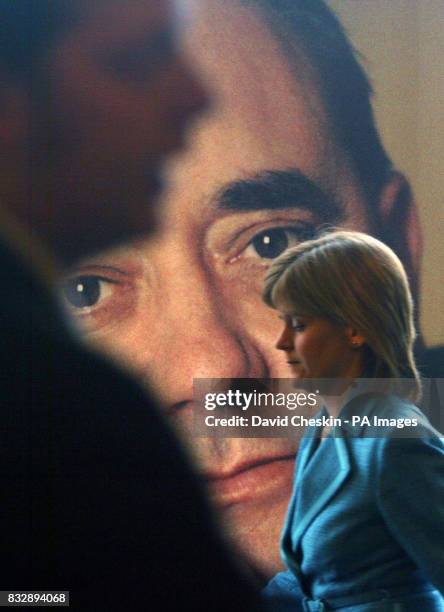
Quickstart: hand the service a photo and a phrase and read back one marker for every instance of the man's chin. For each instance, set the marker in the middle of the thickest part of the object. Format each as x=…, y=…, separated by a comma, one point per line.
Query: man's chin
x=255, y=530
x=253, y=512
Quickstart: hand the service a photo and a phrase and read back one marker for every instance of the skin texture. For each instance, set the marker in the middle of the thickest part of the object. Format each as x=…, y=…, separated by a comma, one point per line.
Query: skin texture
x=86, y=143
x=188, y=303
x=316, y=348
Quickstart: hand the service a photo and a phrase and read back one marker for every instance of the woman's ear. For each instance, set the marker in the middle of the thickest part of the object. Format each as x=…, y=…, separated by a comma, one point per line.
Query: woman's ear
x=355, y=339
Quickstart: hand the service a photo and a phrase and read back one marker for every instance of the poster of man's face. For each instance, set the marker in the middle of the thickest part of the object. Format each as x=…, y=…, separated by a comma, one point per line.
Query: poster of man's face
x=281, y=152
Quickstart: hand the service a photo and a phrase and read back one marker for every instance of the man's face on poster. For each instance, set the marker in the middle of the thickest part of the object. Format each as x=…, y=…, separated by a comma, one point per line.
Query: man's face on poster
x=261, y=173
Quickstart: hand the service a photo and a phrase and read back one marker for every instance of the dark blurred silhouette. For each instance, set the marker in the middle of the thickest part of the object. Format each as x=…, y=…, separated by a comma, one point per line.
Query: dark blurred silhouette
x=98, y=498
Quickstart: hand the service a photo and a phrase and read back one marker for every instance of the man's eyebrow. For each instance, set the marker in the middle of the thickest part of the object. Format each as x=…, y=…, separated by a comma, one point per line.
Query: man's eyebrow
x=279, y=189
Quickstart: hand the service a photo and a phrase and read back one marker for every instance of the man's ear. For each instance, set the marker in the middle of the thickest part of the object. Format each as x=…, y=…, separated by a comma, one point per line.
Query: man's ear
x=399, y=224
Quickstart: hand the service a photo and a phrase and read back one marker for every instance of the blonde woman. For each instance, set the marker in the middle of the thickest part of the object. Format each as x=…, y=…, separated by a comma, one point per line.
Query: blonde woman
x=365, y=525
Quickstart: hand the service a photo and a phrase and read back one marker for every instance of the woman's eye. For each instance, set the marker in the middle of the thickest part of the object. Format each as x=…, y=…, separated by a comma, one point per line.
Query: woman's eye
x=84, y=292
x=296, y=323
x=270, y=243
x=298, y=327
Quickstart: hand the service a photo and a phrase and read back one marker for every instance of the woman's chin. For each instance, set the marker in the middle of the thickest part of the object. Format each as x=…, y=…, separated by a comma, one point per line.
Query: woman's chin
x=299, y=375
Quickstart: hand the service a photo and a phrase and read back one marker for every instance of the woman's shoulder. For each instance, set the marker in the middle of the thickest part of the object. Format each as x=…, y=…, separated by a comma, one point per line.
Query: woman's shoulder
x=391, y=434
x=387, y=416
x=382, y=404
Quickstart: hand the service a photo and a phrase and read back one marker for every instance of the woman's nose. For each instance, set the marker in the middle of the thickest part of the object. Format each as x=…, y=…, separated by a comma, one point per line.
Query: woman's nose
x=285, y=342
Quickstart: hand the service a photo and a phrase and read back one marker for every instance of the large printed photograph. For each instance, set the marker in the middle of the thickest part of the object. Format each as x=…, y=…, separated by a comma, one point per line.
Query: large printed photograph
x=288, y=146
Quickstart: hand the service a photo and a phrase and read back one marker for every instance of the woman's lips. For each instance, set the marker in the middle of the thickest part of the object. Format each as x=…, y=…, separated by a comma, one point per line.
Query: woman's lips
x=251, y=481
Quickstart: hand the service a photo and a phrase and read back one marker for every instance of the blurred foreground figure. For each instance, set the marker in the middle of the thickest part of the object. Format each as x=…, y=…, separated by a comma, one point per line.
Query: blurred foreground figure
x=97, y=497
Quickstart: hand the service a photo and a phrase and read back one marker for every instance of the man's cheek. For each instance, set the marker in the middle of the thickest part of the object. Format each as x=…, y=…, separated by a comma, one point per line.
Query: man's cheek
x=262, y=328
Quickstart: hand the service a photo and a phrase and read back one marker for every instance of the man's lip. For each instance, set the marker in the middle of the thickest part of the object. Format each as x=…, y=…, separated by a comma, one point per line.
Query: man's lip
x=250, y=480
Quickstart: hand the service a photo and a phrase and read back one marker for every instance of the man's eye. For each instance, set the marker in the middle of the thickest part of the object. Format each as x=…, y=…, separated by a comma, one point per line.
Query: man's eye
x=82, y=292
x=270, y=243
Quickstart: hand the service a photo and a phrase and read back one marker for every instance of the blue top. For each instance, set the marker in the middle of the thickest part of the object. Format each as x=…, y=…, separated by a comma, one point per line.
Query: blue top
x=367, y=509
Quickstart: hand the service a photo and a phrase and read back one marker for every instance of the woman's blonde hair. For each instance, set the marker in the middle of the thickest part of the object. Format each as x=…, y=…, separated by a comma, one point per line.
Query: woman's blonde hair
x=352, y=279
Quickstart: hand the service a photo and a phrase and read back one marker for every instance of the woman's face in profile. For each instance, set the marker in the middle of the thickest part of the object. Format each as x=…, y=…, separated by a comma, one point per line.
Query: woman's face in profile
x=317, y=348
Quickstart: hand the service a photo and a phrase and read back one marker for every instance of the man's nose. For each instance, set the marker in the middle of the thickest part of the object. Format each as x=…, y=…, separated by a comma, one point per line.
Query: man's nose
x=199, y=338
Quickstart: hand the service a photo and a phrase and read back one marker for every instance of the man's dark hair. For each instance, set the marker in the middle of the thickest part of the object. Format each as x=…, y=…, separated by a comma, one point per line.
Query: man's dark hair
x=345, y=88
